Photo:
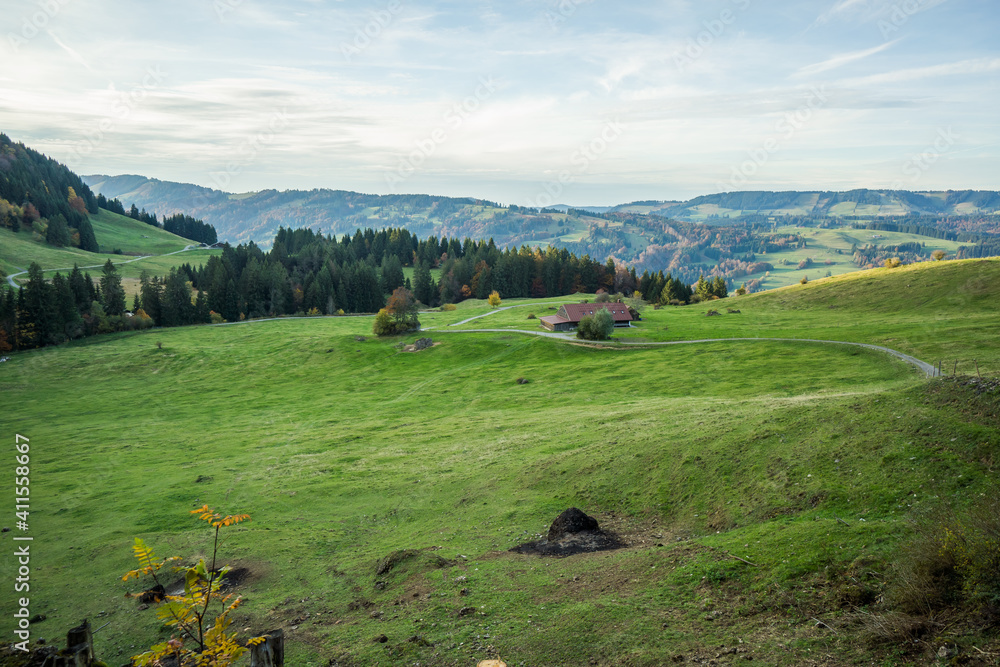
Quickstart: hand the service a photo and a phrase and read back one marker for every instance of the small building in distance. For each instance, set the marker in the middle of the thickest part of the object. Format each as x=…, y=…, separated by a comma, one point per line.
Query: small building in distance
x=569, y=315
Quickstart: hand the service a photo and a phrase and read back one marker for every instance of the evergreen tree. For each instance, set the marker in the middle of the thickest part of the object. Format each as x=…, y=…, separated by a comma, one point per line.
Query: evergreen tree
x=88, y=241
x=57, y=233
x=423, y=284
x=38, y=319
x=112, y=291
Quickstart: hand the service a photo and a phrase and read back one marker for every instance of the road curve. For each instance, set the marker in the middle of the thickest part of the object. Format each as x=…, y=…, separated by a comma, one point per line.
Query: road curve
x=928, y=369
x=12, y=283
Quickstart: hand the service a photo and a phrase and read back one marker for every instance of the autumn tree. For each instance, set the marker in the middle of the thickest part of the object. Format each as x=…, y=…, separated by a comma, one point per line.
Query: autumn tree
x=494, y=299
x=198, y=639
x=939, y=255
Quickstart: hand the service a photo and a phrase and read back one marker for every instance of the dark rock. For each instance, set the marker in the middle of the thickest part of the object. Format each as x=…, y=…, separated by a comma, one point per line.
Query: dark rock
x=360, y=339
x=464, y=592
x=381, y=639
x=154, y=594
x=203, y=478
x=423, y=344
x=523, y=380
x=570, y=522
x=419, y=641
x=573, y=532
x=37, y=618
x=380, y=585
x=465, y=611
x=6, y=529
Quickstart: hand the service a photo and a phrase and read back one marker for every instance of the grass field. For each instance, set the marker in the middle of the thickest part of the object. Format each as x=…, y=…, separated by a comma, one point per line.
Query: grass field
x=112, y=231
x=945, y=312
x=811, y=462
x=822, y=246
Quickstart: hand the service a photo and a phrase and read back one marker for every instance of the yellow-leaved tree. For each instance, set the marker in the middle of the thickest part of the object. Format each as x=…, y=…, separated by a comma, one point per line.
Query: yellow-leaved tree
x=198, y=640
x=494, y=299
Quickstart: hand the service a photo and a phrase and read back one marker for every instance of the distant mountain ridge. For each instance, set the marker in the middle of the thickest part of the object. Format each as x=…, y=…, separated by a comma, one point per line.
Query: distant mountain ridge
x=257, y=216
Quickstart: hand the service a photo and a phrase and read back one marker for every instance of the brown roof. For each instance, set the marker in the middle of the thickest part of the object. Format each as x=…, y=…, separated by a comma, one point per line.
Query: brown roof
x=574, y=312
x=554, y=319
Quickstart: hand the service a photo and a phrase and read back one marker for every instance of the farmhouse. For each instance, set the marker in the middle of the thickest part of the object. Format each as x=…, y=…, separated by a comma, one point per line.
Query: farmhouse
x=569, y=316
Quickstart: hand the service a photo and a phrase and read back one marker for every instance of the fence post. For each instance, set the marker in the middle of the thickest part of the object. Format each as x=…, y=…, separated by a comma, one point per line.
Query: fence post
x=270, y=652
x=79, y=649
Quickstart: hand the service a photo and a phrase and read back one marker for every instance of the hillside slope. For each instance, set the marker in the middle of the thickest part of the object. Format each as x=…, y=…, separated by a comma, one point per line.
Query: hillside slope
x=774, y=498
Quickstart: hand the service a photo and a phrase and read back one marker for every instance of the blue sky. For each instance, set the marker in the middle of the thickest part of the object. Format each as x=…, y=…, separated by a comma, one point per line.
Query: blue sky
x=526, y=102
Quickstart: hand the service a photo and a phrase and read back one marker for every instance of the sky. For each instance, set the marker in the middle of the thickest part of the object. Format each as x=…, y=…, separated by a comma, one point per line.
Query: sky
x=528, y=102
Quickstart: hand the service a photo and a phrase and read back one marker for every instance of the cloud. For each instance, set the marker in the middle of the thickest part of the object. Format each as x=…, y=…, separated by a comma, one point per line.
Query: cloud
x=974, y=66
x=842, y=7
x=73, y=54
x=841, y=59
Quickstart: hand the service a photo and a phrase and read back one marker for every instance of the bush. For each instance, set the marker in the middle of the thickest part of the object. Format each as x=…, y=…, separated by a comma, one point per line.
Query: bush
x=531, y=316
x=893, y=262
x=952, y=560
x=598, y=326
x=805, y=279
x=448, y=307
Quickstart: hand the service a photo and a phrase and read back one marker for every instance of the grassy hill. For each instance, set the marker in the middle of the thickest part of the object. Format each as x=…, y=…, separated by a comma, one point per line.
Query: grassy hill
x=771, y=494
x=938, y=312
x=114, y=232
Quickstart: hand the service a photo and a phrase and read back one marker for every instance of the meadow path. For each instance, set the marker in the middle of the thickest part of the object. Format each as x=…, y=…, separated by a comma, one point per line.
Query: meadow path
x=928, y=369
x=12, y=283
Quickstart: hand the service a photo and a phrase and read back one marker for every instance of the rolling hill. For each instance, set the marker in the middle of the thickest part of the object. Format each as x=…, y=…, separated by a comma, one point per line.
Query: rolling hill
x=779, y=502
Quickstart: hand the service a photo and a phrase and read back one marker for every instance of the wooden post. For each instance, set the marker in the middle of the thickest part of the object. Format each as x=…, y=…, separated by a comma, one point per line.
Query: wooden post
x=79, y=649
x=270, y=652
x=954, y=371
x=976, y=362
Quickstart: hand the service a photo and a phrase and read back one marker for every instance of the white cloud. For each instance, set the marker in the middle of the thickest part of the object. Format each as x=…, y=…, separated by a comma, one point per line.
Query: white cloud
x=841, y=59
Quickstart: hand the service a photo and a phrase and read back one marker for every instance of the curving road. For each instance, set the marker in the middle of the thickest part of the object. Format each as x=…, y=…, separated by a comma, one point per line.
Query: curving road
x=13, y=283
x=928, y=369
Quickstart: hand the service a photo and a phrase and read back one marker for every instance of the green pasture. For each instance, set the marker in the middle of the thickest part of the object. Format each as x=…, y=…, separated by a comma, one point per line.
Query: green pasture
x=938, y=312
x=808, y=462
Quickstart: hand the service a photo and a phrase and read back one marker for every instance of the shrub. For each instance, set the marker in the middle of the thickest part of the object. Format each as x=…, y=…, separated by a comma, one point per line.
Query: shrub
x=951, y=560
x=939, y=255
x=893, y=262
x=448, y=307
x=216, y=317
x=531, y=316
x=198, y=640
x=805, y=279
x=598, y=326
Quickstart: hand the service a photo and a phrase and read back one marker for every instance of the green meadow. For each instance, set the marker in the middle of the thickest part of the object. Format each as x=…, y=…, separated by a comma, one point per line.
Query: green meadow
x=764, y=489
x=113, y=232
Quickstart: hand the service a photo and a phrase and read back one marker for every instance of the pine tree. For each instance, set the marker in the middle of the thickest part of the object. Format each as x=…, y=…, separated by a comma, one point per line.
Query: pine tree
x=112, y=291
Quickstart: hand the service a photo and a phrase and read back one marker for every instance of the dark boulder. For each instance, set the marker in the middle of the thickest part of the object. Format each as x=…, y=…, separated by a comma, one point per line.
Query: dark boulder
x=571, y=522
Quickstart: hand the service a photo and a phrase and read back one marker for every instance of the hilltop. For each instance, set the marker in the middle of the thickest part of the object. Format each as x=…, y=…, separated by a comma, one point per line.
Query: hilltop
x=779, y=501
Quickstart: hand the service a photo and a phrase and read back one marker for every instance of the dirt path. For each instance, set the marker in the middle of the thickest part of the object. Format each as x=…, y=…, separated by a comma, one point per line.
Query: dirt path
x=928, y=369
x=13, y=283
x=497, y=310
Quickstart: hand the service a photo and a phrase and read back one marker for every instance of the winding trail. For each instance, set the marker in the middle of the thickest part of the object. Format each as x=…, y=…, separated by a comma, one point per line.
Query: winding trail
x=928, y=369
x=497, y=310
x=13, y=283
